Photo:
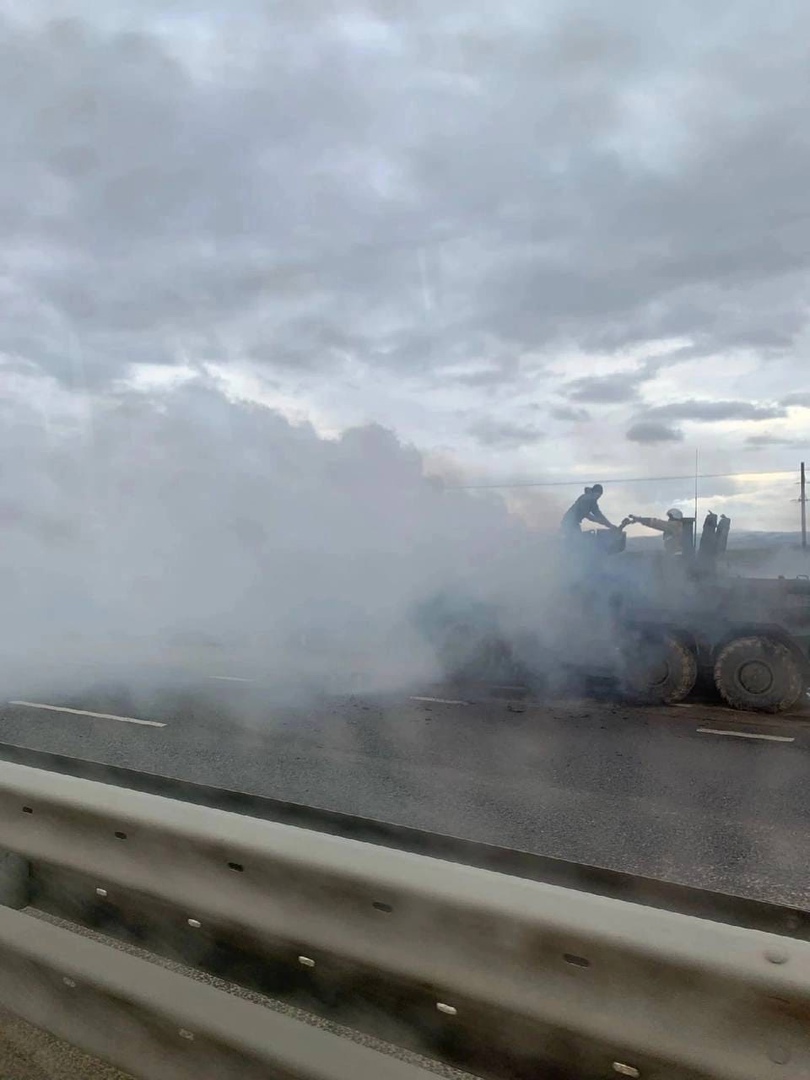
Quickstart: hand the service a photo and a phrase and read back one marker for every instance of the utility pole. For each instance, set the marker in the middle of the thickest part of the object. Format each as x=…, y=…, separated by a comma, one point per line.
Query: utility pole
x=803, y=504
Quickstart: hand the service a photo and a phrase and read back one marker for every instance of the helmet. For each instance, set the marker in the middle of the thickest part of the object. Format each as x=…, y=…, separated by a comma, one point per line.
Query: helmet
x=675, y=514
x=597, y=489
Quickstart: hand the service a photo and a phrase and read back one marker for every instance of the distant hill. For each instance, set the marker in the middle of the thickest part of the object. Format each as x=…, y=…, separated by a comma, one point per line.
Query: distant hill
x=754, y=539
x=750, y=552
x=746, y=539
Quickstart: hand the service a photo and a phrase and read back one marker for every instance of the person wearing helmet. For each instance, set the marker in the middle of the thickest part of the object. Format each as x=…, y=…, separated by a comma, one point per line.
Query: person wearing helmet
x=672, y=528
x=586, y=508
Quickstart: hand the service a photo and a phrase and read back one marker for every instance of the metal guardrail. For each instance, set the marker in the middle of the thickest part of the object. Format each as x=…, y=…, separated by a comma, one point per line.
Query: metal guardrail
x=597, y=880
x=161, y=1025
x=537, y=972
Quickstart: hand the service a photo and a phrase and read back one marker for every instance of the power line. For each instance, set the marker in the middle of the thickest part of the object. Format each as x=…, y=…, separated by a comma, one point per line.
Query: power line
x=620, y=480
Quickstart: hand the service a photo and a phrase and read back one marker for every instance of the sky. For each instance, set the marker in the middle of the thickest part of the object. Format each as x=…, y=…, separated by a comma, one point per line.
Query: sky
x=543, y=241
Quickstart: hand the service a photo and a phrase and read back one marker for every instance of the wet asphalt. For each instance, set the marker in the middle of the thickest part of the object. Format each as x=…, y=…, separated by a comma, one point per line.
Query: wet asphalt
x=694, y=794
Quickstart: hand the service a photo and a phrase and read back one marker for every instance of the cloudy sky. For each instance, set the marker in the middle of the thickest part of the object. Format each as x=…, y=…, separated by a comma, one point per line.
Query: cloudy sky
x=539, y=240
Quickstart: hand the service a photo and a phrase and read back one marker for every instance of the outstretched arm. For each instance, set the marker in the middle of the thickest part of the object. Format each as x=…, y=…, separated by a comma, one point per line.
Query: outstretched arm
x=651, y=523
x=600, y=519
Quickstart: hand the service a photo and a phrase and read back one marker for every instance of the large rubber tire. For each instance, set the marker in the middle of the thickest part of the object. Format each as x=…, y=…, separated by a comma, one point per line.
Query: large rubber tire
x=759, y=674
x=658, y=669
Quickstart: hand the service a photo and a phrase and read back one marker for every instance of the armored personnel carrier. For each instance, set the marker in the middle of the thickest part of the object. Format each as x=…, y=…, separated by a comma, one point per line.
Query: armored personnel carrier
x=653, y=627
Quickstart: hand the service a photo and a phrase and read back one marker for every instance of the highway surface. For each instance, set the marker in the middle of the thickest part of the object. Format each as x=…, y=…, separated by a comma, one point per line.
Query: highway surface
x=695, y=794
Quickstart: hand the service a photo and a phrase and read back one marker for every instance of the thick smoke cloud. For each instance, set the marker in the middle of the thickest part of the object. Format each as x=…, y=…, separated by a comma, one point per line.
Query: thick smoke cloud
x=213, y=535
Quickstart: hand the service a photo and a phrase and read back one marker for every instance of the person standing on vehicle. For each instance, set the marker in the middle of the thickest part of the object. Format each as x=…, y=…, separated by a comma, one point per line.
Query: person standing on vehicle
x=586, y=508
x=673, y=529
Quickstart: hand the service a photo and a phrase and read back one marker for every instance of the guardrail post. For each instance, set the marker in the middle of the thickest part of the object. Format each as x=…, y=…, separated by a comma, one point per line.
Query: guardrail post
x=15, y=878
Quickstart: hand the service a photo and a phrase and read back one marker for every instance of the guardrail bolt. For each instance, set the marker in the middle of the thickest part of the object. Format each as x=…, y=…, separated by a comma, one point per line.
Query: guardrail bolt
x=625, y=1070
x=306, y=961
x=195, y=924
x=101, y=892
x=575, y=960
x=776, y=956
x=448, y=1010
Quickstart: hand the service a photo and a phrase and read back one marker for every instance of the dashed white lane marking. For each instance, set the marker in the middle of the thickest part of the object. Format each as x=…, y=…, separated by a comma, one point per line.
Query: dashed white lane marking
x=746, y=735
x=439, y=700
x=84, y=712
x=229, y=678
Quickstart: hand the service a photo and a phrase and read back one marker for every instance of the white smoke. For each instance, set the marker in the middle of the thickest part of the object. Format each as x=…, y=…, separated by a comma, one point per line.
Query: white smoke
x=184, y=532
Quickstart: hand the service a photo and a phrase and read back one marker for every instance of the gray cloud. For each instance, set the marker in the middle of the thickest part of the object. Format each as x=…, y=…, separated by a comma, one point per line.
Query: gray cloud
x=569, y=412
x=652, y=431
x=759, y=442
x=492, y=376
x=798, y=399
x=708, y=411
x=623, y=386
x=505, y=434
x=607, y=389
x=364, y=172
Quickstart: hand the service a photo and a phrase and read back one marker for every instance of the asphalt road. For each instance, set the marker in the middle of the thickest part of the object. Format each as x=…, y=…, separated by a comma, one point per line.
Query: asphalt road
x=28, y=1053
x=684, y=793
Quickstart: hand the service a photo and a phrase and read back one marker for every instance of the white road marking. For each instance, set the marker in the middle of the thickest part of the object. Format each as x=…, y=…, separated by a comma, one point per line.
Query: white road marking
x=84, y=712
x=746, y=735
x=439, y=700
x=229, y=678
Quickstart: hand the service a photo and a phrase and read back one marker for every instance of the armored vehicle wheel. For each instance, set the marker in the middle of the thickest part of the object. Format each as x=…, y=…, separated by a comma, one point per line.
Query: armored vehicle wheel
x=758, y=673
x=658, y=669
